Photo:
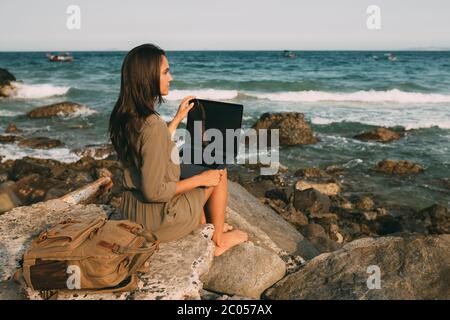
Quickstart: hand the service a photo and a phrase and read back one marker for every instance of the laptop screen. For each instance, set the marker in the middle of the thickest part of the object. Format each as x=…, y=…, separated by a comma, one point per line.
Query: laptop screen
x=215, y=115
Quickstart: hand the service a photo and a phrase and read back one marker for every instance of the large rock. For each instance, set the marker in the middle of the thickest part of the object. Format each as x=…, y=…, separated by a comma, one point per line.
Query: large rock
x=26, y=166
x=61, y=108
x=292, y=125
x=40, y=143
x=411, y=267
x=432, y=220
x=245, y=270
x=311, y=201
x=329, y=189
x=311, y=173
x=398, y=167
x=258, y=219
x=379, y=134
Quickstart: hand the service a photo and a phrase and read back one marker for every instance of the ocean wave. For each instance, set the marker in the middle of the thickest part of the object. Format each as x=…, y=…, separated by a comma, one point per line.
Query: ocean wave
x=14, y=152
x=8, y=113
x=211, y=94
x=393, y=95
x=38, y=91
x=371, y=96
x=83, y=111
x=408, y=124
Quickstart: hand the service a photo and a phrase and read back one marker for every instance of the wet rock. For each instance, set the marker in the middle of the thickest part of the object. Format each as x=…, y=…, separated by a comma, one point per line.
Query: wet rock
x=398, y=167
x=311, y=173
x=293, y=129
x=431, y=220
x=283, y=194
x=6, y=77
x=7, y=87
x=258, y=166
x=12, y=128
x=95, y=151
x=365, y=203
x=61, y=108
x=295, y=217
x=259, y=218
x=9, y=139
x=329, y=189
x=385, y=225
x=245, y=270
x=40, y=143
x=340, y=202
x=317, y=235
x=311, y=201
x=26, y=166
x=380, y=135
x=411, y=266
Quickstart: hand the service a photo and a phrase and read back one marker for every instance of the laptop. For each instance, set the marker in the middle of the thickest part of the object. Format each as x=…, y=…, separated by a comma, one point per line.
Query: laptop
x=207, y=114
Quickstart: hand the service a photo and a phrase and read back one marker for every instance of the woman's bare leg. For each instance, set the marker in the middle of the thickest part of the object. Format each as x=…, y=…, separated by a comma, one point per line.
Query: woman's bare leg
x=216, y=203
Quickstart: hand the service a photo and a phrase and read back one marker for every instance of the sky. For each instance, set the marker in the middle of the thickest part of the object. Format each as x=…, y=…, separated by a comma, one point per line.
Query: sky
x=224, y=25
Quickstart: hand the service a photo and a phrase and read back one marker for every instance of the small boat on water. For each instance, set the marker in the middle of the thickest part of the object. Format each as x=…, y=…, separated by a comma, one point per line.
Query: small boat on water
x=66, y=57
x=289, y=54
x=391, y=57
x=386, y=56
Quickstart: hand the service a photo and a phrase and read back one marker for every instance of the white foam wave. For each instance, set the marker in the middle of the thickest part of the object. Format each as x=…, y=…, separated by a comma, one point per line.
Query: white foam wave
x=83, y=111
x=13, y=151
x=393, y=95
x=408, y=124
x=211, y=94
x=8, y=113
x=38, y=91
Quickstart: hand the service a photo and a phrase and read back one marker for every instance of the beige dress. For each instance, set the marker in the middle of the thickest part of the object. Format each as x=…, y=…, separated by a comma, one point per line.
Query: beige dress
x=149, y=196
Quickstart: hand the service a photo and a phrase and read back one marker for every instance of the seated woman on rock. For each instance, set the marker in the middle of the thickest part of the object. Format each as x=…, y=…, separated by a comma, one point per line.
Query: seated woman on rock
x=154, y=194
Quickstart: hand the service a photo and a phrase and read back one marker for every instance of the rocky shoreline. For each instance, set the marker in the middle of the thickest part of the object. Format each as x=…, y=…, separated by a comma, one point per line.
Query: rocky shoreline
x=308, y=220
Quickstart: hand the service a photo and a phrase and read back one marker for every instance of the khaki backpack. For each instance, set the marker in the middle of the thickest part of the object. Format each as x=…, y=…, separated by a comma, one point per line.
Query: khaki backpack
x=96, y=255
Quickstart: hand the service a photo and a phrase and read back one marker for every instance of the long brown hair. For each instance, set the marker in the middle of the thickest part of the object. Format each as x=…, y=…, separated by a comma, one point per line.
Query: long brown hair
x=139, y=95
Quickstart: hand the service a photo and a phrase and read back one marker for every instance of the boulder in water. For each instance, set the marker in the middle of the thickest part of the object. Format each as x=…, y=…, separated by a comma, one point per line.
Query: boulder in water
x=40, y=143
x=60, y=108
x=7, y=87
x=293, y=129
x=398, y=167
x=379, y=134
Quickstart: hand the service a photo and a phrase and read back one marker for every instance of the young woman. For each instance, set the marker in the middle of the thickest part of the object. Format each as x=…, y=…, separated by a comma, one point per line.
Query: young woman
x=154, y=194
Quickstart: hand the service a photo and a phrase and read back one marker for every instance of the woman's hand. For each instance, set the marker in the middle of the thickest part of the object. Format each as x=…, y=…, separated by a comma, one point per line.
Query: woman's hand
x=210, y=178
x=182, y=112
x=184, y=108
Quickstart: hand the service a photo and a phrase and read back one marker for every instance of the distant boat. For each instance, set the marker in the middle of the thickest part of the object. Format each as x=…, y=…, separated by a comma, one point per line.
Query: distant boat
x=66, y=57
x=386, y=56
x=391, y=57
x=289, y=54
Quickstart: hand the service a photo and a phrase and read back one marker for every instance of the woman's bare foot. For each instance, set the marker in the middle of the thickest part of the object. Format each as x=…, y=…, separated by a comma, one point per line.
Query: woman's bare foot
x=227, y=227
x=229, y=240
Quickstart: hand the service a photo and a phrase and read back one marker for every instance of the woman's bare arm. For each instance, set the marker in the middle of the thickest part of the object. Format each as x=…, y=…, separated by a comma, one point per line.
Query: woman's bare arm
x=209, y=178
x=187, y=184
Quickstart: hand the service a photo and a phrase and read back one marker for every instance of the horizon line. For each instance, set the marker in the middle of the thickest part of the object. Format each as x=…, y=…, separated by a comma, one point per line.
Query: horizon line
x=235, y=50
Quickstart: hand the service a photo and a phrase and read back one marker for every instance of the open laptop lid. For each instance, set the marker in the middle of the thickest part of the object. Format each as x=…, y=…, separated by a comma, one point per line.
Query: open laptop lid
x=215, y=115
